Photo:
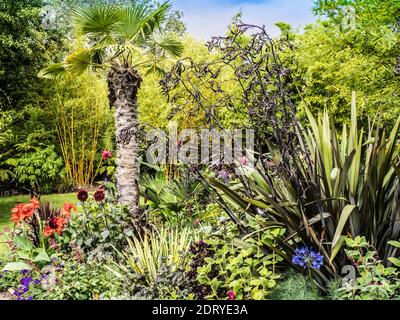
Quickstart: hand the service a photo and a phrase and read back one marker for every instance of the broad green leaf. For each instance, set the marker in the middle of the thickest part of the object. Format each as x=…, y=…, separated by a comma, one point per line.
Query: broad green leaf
x=23, y=244
x=42, y=256
x=394, y=244
x=395, y=261
x=16, y=266
x=337, y=248
x=344, y=216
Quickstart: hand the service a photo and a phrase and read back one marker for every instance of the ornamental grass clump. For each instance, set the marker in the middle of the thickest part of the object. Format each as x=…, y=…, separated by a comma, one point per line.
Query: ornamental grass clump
x=147, y=255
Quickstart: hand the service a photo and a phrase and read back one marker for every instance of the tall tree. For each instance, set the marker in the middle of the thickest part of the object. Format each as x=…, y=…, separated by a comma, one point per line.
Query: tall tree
x=354, y=46
x=25, y=48
x=122, y=40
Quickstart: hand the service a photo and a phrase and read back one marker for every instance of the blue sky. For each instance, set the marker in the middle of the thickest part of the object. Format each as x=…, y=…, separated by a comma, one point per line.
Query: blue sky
x=206, y=18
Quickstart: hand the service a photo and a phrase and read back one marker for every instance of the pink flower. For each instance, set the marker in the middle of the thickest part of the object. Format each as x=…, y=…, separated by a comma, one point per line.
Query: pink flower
x=244, y=161
x=231, y=295
x=106, y=155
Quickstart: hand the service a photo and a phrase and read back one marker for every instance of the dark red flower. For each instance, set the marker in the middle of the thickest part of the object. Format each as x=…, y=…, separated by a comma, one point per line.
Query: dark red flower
x=106, y=155
x=231, y=295
x=82, y=195
x=56, y=224
x=99, y=195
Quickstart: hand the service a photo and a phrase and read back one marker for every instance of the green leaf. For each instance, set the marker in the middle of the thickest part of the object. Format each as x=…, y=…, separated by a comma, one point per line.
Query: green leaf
x=16, y=266
x=53, y=71
x=394, y=244
x=96, y=20
x=79, y=61
x=105, y=234
x=168, y=43
x=395, y=261
x=255, y=282
x=42, y=256
x=24, y=255
x=209, y=260
x=344, y=216
x=23, y=244
x=337, y=248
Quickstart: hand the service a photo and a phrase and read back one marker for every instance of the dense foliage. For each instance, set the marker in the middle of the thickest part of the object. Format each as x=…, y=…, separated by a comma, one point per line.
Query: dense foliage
x=312, y=213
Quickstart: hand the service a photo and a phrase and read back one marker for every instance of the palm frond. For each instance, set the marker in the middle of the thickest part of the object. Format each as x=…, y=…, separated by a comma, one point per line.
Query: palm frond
x=165, y=43
x=155, y=68
x=155, y=18
x=137, y=22
x=80, y=61
x=131, y=22
x=53, y=71
x=98, y=20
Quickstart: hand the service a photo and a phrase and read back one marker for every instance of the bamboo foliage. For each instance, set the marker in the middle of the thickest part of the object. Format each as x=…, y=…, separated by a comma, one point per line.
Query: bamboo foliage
x=80, y=110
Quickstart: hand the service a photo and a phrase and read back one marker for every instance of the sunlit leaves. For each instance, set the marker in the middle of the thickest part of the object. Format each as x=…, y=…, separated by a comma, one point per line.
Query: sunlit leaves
x=96, y=20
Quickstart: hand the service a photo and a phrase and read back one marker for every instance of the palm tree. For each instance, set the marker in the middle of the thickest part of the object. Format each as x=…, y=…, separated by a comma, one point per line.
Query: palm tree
x=121, y=40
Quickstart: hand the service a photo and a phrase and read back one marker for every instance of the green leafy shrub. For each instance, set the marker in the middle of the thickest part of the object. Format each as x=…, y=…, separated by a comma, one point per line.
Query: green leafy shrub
x=100, y=226
x=171, y=284
x=373, y=280
x=78, y=281
x=41, y=169
x=180, y=201
x=240, y=266
x=62, y=278
x=8, y=278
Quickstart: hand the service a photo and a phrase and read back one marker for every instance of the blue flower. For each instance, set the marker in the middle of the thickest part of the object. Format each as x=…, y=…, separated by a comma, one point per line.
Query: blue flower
x=26, y=281
x=36, y=281
x=306, y=257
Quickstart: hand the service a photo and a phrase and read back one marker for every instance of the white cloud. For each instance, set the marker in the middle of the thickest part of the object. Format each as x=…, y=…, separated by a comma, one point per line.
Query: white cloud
x=206, y=18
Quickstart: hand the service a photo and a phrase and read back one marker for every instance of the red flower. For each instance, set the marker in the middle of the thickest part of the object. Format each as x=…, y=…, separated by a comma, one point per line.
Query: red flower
x=24, y=211
x=99, y=195
x=82, y=195
x=56, y=224
x=106, y=155
x=231, y=295
x=66, y=212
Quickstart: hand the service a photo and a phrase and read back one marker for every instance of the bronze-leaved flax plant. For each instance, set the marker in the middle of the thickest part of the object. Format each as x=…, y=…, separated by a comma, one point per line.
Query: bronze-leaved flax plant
x=124, y=41
x=354, y=179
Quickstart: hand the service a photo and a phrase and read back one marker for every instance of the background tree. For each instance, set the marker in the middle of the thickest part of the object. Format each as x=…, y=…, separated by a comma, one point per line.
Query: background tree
x=25, y=48
x=330, y=69
x=335, y=56
x=121, y=40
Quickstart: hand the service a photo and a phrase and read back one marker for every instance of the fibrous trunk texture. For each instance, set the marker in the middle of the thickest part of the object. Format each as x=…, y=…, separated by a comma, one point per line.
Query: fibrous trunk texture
x=124, y=83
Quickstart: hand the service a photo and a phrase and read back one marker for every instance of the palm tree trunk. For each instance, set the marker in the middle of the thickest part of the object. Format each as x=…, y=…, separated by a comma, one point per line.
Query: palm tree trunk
x=123, y=84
